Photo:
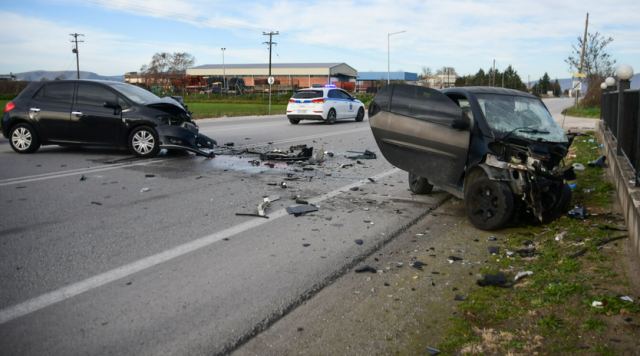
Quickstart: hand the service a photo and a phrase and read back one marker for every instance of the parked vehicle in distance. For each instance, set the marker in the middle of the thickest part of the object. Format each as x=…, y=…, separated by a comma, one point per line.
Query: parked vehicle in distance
x=101, y=113
x=327, y=104
x=498, y=149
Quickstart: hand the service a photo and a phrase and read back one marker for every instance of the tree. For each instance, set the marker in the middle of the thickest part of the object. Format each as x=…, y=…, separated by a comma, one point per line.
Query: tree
x=167, y=70
x=557, y=89
x=426, y=73
x=544, y=84
x=597, y=62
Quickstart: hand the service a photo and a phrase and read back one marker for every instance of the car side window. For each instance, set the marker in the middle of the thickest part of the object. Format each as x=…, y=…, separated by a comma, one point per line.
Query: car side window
x=403, y=99
x=423, y=103
x=94, y=95
x=333, y=94
x=56, y=92
x=344, y=95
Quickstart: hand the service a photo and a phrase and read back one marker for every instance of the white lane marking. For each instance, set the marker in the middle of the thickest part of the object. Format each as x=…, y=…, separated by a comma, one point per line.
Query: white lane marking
x=34, y=304
x=238, y=127
x=60, y=174
x=72, y=172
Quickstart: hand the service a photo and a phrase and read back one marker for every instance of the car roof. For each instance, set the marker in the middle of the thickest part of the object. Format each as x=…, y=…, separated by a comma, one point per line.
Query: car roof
x=488, y=90
x=99, y=81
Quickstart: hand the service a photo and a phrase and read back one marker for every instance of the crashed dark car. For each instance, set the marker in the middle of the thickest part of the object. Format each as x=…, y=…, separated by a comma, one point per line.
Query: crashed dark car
x=498, y=149
x=100, y=113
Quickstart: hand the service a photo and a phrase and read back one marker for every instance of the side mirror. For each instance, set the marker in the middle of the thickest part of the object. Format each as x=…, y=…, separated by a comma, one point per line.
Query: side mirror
x=463, y=122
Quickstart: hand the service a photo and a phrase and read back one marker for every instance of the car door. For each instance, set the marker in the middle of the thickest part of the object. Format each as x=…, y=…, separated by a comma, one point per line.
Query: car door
x=337, y=102
x=50, y=109
x=349, y=107
x=91, y=120
x=422, y=131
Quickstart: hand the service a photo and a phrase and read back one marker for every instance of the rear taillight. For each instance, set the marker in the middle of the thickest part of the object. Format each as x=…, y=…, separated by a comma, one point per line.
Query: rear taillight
x=318, y=101
x=9, y=106
x=292, y=101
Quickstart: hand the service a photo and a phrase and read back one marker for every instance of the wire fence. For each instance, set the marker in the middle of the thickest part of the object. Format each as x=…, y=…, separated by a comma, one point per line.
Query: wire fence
x=625, y=129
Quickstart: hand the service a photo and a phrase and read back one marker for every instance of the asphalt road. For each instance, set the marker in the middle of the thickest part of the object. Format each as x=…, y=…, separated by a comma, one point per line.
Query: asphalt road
x=105, y=254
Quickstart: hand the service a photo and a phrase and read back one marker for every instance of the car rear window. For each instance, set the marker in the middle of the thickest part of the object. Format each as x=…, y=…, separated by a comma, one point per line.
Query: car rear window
x=308, y=94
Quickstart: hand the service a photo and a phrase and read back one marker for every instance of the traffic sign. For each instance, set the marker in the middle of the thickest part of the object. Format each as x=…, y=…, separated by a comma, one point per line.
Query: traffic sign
x=579, y=75
x=271, y=80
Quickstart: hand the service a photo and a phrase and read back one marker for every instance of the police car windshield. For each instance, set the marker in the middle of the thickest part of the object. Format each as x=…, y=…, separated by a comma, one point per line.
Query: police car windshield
x=308, y=94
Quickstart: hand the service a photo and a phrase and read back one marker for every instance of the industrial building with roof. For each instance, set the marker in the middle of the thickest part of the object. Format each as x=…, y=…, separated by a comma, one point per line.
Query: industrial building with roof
x=370, y=81
x=286, y=75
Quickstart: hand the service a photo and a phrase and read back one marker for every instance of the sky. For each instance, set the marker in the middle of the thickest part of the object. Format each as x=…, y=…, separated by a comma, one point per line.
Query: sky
x=534, y=36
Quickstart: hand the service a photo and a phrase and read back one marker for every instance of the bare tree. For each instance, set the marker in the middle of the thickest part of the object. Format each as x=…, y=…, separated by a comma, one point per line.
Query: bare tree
x=597, y=62
x=167, y=70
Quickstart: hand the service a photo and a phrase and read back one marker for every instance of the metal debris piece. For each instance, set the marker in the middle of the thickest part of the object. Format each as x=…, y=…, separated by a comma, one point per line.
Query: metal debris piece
x=578, y=167
x=432, y=351
x=262, y=207
x=298, y=210
x=96, y=203
x=145, y=189
x=453, y=259
x=229, y=144
x=494, y=250
x=83, y=178
x=362, y=155
x=283, y=185
x=358, y=241
x=303, y=154
x=346, y=165
x=371, y=180
x=626, y=298
x=148, y=175
x=417, y=264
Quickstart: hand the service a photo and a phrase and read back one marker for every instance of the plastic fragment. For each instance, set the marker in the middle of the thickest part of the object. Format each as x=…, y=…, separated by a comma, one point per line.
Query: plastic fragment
x=626, y=298
x=578, y=166
x=578, y=212
x=599, y=162
x=432, y=351
x=145, y=189
x=522, y=274
x=597, y=304
x=498, y=280
x=366, y=269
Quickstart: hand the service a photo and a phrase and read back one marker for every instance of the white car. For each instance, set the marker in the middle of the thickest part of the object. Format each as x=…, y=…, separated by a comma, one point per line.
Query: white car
x=327, y=104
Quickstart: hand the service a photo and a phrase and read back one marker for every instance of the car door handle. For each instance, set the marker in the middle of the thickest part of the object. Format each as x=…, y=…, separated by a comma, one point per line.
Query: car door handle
x=77, y=113
x=34, y=110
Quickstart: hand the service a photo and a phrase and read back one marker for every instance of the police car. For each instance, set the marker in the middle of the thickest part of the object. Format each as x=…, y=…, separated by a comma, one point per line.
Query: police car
x=327, y=104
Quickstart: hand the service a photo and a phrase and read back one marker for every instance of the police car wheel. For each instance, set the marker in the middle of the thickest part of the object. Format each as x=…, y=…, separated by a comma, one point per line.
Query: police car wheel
x=360, y=115
x=294, y=121
x=331, y=117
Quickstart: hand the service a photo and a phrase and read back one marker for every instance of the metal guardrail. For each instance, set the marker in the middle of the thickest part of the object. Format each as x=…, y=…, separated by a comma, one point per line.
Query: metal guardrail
x=627, y=131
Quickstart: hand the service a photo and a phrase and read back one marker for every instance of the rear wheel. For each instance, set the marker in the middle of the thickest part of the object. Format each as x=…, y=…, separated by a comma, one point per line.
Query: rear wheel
x=489, y=204
x=331, y=117
x=143, y=142
x=360, y=115
x=23, y=138
x=294, y=121
x=419, y=185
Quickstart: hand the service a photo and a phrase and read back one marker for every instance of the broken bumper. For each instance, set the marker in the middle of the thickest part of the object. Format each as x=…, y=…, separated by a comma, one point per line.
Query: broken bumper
x=186, y=138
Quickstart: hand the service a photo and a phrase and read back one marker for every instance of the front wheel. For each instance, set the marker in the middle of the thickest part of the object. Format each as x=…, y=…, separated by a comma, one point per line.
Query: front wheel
x=489, y=204
x=143, y=142
x=23, y=139
x=331, y=117
x=360, y=115
x=294, y=121
x=419, y=185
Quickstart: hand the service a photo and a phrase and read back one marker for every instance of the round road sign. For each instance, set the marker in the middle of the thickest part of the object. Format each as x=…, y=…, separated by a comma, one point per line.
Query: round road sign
x=271, y=80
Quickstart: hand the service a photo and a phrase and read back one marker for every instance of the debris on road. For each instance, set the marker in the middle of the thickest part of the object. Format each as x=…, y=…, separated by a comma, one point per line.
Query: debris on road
x=493, y=250
x=527, y=251
x=149, y=175
x=302, y=209
x=578, y=167
x=145, y=189
x=366, y=269
x=362, y=155
x=498, y=280
x=459, y=298
x=295, y=153
x=453, y=259
x=358, y=241
x=432, y=351
x=283, y=185
x=560, y=236
x=230, y=144
x=597, y=304
x=96, y=203
x=579, y=212
x=417, y=264
x=262, y=207
x=83, y=178
x=626, y=298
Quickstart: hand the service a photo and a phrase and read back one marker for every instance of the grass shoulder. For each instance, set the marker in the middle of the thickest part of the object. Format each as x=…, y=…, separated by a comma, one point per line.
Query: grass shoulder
x=581, y=111
x=551, y=311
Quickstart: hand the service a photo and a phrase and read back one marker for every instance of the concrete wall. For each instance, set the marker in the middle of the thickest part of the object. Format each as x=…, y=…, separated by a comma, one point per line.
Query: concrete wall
x=628, y=195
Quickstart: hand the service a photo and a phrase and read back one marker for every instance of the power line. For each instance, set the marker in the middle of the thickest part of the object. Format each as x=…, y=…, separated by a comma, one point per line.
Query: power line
x=75, y=50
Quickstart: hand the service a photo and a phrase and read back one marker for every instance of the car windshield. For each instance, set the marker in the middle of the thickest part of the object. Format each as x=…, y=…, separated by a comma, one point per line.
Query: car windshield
x=136, y=94
x=308, y=94
x=520, y=116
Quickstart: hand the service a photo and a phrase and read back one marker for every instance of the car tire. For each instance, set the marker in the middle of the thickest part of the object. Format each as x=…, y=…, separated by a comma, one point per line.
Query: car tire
x=360, y=115
x=143, y=142
x=561, y=206
x=419, y=185
x=294, y=121
x=489, y=204
x=23, y=138
x=331, y=117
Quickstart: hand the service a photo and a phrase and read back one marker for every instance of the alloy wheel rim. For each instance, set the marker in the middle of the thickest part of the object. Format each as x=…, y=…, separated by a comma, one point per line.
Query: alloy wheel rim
x=486, y=203
x=143, y=142
x=21, y=138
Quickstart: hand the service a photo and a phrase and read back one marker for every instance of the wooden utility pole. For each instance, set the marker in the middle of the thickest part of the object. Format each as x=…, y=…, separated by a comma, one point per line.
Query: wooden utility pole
x=270, y=43
x=584, y=47
x=75, y=50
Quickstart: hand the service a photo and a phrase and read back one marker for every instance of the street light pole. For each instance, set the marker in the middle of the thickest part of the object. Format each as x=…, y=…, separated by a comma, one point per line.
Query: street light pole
x=389, y=54
x=224, y=71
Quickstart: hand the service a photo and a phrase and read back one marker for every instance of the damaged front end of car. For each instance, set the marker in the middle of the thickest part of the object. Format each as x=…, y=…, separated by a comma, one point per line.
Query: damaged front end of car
x=535, y=173
x=176, y=130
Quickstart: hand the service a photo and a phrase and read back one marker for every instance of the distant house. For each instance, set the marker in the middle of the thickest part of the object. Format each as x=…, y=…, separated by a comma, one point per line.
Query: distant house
x=371, y=81
x=7, y=77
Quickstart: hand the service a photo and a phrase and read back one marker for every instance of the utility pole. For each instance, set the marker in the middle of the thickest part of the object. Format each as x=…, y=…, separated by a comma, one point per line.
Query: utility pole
x=584, y=46
x=224, y=72
x=75, y=50
x=270, y=43
x=389, y=53
x=493, y=74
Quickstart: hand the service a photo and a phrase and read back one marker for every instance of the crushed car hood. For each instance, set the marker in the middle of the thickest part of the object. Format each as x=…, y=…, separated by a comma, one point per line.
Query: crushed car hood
x=168, y=105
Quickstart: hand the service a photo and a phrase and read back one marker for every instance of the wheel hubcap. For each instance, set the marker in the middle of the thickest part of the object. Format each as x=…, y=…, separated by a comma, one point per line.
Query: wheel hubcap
x=21, y=138
x=486, y=203
x=143, y=142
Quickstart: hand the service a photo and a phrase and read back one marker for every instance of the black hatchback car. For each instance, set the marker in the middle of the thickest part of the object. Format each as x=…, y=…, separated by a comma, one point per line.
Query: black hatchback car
x=100, y=113
x=498, y=149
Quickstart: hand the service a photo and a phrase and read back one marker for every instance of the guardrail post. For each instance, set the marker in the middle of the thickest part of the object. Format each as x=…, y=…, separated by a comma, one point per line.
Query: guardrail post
x=622, y=86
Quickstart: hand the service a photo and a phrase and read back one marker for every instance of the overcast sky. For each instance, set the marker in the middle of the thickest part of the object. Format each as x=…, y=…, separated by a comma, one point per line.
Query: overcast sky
x=535, y=36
